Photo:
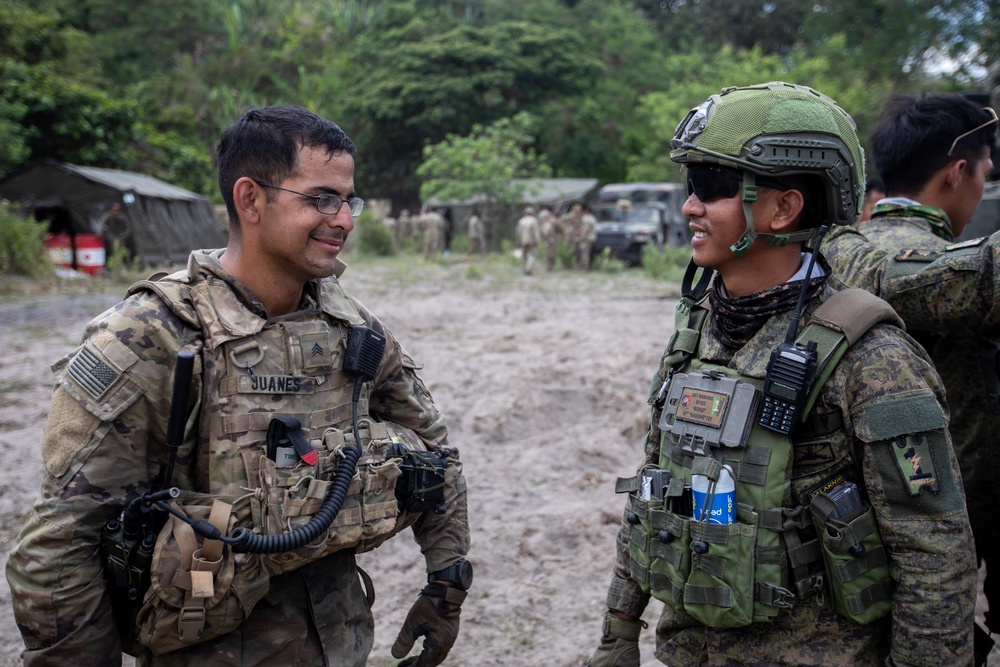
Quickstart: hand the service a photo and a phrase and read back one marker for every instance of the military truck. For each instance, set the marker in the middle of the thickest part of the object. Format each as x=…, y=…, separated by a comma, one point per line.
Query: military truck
x=632, y=216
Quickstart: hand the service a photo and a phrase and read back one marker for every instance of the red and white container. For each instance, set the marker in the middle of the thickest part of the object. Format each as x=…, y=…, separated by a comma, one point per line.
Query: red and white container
x=90, y=256
x=59, y=248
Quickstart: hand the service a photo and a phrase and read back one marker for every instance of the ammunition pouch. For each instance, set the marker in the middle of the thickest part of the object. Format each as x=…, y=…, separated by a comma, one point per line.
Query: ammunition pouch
x=856, y=561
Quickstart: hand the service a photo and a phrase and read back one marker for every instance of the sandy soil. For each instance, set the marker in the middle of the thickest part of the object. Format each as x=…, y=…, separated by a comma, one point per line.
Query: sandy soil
x=543, y=380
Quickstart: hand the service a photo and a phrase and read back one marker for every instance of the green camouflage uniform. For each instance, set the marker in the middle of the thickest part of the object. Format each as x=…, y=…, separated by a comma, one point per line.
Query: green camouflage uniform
x=956, y=289
x=104, y=445
x=969, y=368
x=883, y=399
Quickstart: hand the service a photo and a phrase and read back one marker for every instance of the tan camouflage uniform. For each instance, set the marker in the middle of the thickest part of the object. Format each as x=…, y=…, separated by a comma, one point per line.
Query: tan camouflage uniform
x=970, y=369
x=433, y=224
x=873, y=391
x=104, y=444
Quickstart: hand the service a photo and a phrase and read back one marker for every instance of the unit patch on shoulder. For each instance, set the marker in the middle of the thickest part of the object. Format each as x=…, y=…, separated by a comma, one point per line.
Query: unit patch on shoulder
x=914, y=255
x=971, y=243
x=913, y=458
x=91, y=373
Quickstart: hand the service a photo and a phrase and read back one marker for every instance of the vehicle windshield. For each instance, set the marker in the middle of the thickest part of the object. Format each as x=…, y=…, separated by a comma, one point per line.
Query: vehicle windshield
x=635, y=216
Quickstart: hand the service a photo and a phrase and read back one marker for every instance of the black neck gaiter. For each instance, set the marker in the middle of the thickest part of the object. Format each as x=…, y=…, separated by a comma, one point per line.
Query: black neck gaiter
x=735, y=320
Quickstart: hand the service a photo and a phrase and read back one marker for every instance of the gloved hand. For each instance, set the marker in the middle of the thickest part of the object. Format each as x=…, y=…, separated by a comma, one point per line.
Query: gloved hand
x=619, y=643
x=433, y=616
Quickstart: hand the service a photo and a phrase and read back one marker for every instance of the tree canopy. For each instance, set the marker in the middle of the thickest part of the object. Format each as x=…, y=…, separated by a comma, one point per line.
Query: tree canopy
x=592, y=88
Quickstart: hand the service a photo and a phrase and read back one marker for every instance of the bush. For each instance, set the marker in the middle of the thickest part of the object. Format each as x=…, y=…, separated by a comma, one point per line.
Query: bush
x=605, y=263
x=459, y=245
x=21, y=249
x=667, y=263
x=374, y=238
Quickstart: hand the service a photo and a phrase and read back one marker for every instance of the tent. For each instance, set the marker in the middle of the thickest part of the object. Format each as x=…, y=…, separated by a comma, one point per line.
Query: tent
x=555, y=193
x=158, y=222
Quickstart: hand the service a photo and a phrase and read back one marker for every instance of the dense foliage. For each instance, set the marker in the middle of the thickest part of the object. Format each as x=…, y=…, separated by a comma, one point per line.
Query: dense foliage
x=149, y=85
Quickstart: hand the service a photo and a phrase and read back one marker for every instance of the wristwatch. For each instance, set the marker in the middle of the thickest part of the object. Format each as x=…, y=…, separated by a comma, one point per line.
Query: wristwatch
x=458, y=573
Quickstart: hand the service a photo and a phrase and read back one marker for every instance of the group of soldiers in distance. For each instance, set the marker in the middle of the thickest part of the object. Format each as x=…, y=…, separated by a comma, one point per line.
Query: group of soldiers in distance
x=567, y=239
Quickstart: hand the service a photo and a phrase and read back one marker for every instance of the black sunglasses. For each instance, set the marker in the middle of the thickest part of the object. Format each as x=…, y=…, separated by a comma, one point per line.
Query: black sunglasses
x=709, y=182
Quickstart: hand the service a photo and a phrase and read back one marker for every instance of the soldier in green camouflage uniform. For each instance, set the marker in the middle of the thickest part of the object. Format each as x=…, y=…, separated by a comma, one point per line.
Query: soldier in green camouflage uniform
x=267, y=321
x=878, y=421
x=933, y=189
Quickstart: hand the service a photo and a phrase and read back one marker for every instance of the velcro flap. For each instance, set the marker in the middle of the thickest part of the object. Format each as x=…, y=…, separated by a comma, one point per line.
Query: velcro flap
x=903, y=415
x=201, y=584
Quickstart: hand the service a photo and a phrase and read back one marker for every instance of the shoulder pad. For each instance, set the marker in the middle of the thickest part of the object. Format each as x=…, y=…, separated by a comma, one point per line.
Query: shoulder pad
x=853, y=312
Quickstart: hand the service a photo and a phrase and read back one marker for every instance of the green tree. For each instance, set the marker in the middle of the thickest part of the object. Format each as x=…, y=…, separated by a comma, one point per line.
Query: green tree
x=483, y=165
x=426, y=81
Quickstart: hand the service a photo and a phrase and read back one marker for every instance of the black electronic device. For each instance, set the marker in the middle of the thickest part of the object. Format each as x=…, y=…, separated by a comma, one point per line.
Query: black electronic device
x=790, y=373
x=458, y=573
x=364, y=352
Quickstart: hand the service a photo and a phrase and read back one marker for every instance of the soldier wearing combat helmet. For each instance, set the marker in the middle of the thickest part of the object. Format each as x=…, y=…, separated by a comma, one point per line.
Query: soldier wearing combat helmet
x=799, y=501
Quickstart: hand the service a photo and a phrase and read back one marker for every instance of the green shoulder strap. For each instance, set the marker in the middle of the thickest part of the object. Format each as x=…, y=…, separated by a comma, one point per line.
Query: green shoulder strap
x=836, y=325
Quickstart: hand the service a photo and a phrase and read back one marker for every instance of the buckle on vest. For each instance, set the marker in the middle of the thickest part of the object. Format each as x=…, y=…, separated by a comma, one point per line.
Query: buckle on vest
x=795, y=517
x=776, y=596
x=190, y=623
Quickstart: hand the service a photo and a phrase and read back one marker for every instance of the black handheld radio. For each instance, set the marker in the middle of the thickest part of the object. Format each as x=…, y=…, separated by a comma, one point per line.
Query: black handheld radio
x=791, y=368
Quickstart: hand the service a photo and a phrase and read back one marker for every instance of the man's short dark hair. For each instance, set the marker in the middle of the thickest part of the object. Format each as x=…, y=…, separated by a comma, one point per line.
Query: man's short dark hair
x=912, y=139
x=264, y=145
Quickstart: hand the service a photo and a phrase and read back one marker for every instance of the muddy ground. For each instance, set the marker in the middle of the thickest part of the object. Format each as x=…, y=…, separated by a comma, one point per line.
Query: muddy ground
x=543, y=380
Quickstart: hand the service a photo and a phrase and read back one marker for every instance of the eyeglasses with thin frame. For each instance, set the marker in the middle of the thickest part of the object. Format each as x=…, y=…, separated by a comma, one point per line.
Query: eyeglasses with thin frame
x=991, y=111
x=325, y=203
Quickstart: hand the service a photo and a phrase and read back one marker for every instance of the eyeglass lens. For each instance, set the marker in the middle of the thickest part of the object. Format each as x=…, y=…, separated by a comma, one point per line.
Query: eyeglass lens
x=331, y=204
x=711, y=182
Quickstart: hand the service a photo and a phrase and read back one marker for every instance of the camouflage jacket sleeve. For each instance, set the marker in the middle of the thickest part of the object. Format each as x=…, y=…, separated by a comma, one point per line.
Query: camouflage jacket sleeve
x=893, y=399
x=957, y=290
x=400, y=396
x=101, y=446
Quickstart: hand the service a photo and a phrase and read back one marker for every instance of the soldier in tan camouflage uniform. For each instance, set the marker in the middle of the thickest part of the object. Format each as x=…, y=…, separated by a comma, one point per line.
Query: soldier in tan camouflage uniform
x=934, y=185
x=433, y=225
x=267, y=322
x=773, y=585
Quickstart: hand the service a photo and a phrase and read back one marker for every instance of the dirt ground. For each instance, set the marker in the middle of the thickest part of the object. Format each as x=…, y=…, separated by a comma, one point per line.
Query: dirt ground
x=543, y=380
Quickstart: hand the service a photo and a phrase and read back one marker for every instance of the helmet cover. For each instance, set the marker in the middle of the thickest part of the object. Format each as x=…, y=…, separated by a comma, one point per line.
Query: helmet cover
x=778, y=129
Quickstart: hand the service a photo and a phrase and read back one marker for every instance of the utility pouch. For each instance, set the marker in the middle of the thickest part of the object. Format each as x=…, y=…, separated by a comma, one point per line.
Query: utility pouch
x=287, y=497
x=856, y=562
x=199, y=588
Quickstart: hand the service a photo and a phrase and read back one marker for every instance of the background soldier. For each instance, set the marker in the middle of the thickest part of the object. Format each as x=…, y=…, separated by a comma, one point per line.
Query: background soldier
x=769, y=588
x=552, y=233
x=528, y=234
x=588, y=234
x=477, y=233
x=432, y=224
x=571, y=223
x=267, y=323
x=933, y=153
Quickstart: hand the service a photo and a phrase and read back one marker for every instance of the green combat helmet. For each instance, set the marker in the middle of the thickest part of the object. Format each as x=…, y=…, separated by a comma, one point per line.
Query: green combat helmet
x=772, y=130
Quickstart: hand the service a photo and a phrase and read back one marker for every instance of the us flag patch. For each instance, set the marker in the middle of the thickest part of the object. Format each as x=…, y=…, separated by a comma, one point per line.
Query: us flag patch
x=90, y=372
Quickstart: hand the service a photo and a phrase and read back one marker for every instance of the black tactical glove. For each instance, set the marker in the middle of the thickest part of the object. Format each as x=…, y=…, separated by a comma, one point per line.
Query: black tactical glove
x=619, y=643
x=433, y=616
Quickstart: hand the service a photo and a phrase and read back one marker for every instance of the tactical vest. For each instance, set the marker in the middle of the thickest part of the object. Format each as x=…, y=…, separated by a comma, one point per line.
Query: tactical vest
x=775, y=554
x=251, y=370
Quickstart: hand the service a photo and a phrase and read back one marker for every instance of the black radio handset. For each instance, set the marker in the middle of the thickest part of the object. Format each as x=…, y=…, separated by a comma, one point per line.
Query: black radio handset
x=791, y=368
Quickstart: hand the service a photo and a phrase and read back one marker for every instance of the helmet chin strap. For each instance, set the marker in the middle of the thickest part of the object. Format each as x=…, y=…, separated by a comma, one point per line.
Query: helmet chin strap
x=750, y=192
